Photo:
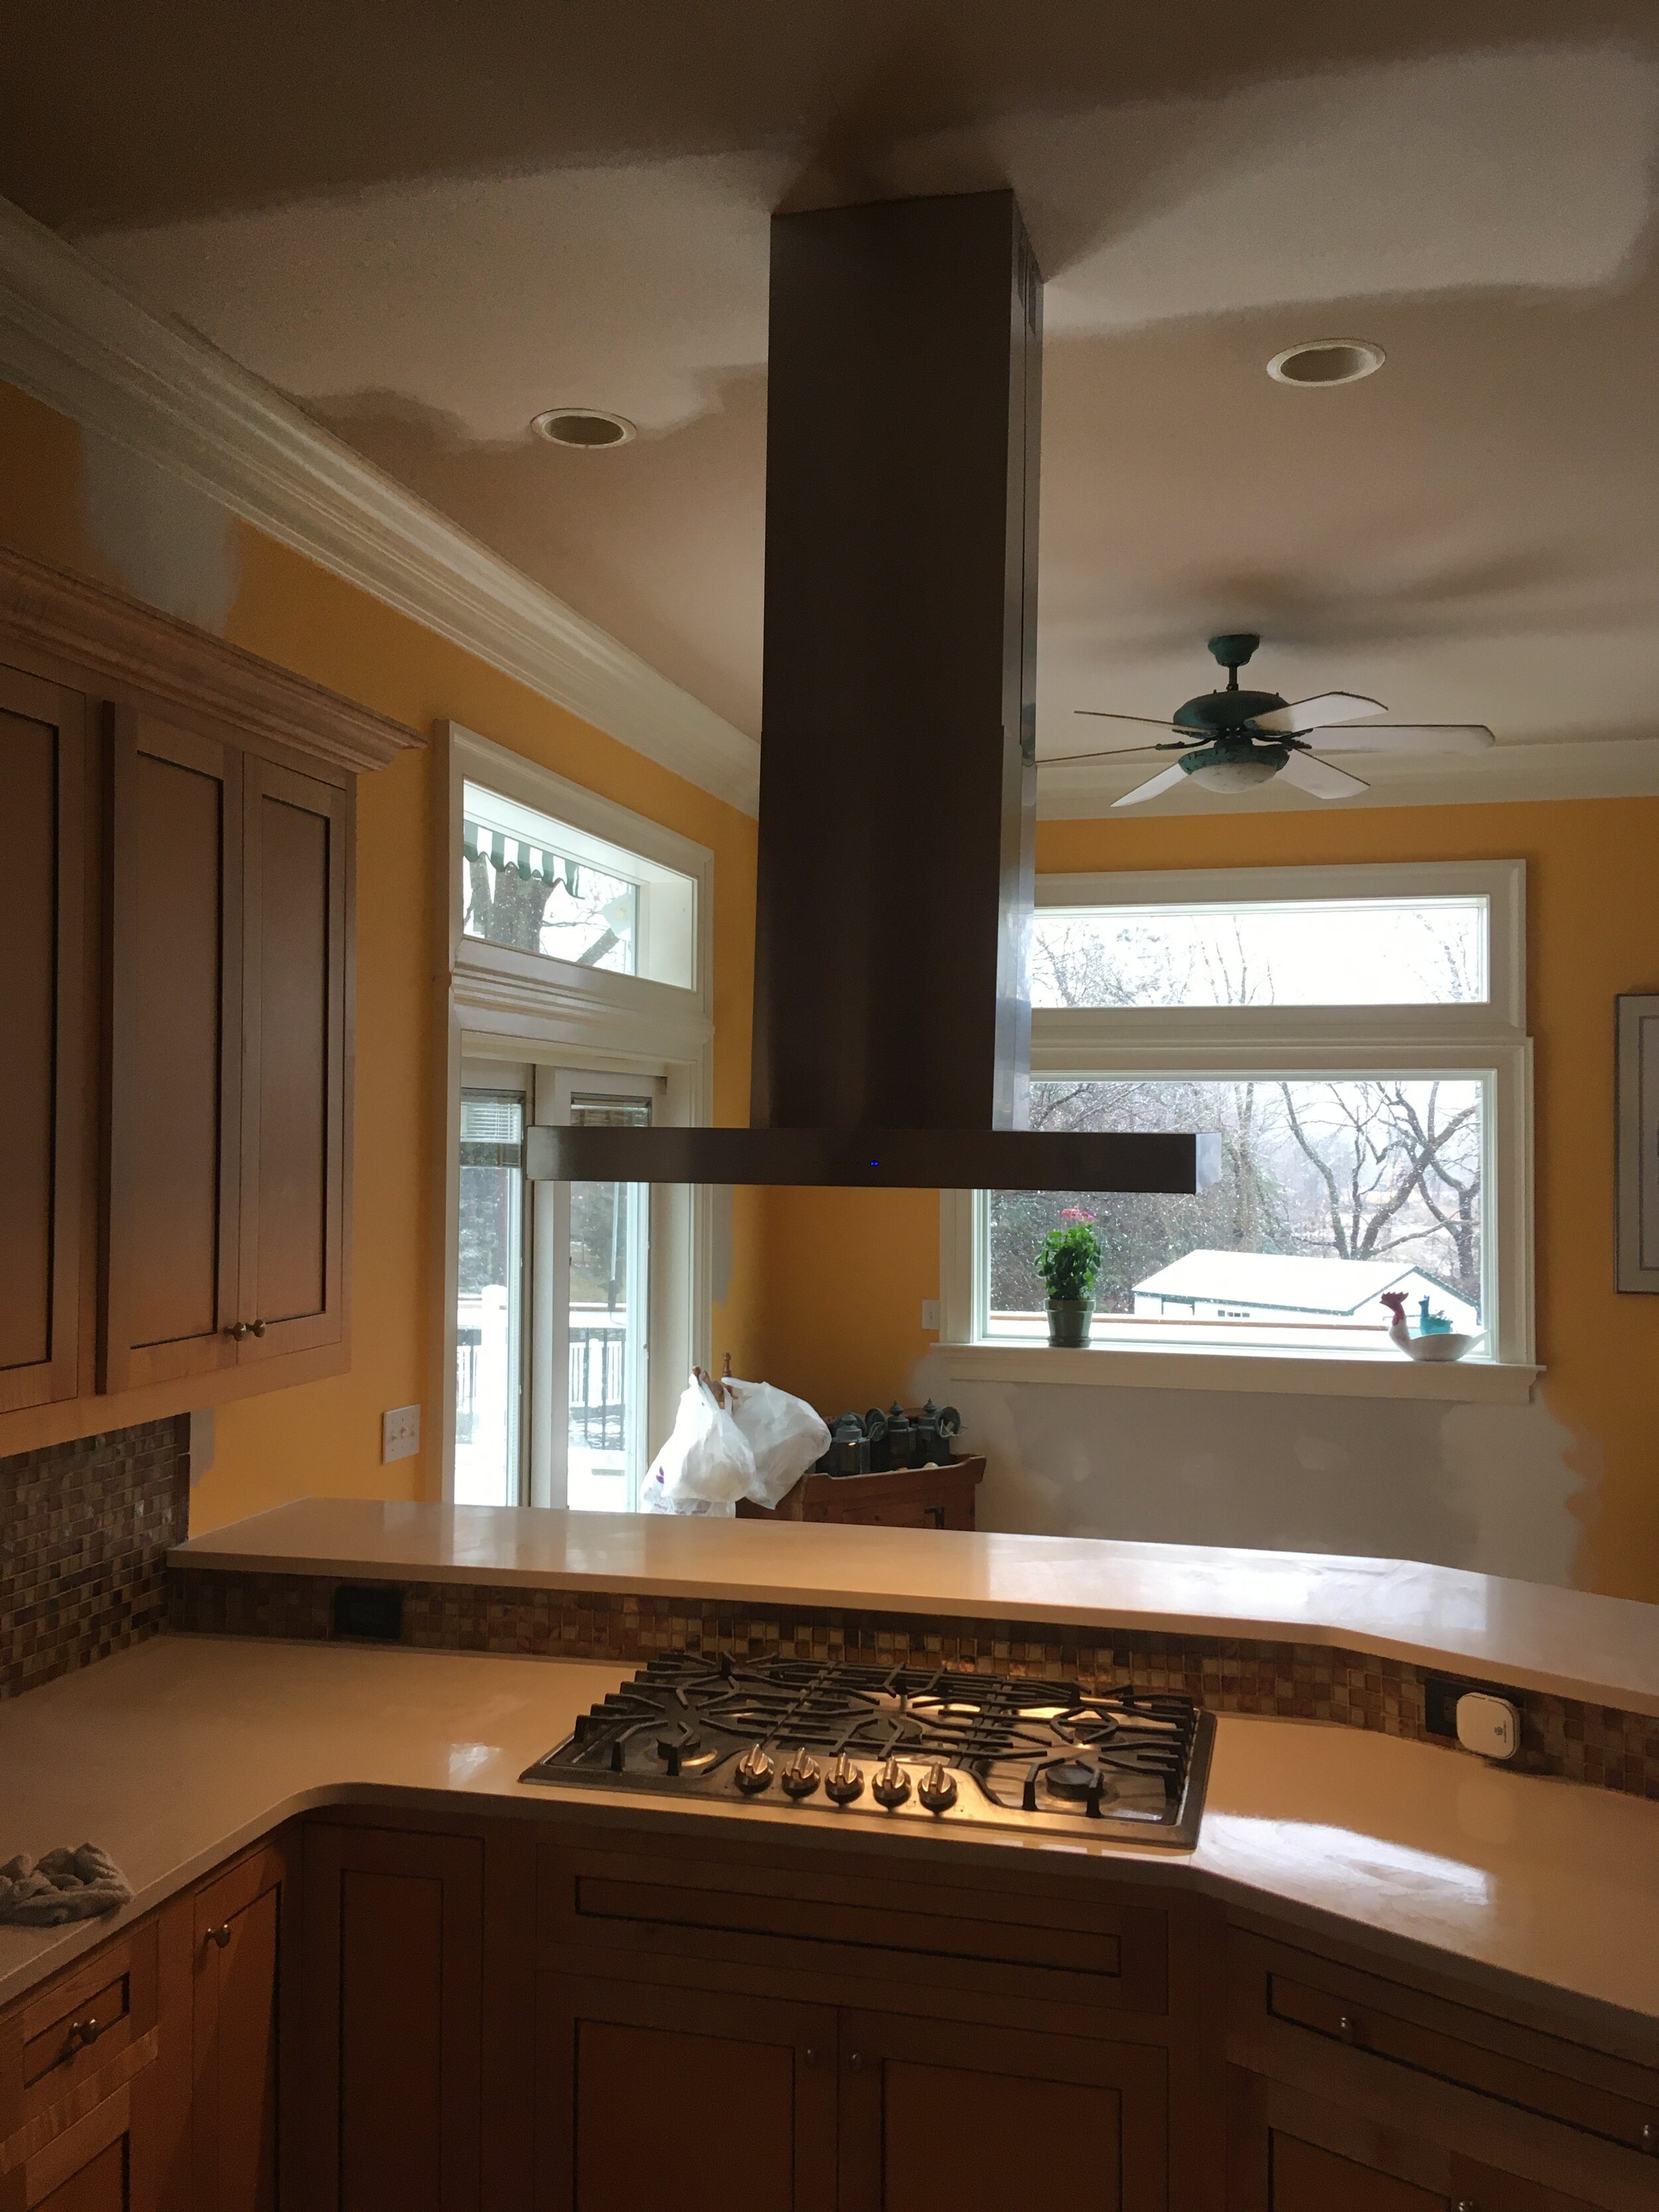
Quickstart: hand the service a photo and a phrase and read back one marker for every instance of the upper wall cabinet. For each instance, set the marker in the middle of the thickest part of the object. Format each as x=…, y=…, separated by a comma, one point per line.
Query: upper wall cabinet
x=229, y=1103
x=43, y=1030
x=176, y=822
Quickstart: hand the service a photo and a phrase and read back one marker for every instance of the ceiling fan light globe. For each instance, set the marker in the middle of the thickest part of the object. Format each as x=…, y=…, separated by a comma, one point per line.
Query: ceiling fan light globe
x=1236, y=775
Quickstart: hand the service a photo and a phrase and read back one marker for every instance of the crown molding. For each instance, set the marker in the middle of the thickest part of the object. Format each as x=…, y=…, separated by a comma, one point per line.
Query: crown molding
x=90, y=626
x=1571, y=767
x=72, y=338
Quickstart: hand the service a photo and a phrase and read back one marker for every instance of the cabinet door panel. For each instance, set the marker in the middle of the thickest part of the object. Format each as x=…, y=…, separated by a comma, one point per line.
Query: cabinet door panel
x=240, y=1935
x=631, y=2082
x=294, y=1075
x=393, y=2019
x=43, y=1017
x=988, y=2119
x=176, y=1020
x=1304, y=2179
x=109, y=2162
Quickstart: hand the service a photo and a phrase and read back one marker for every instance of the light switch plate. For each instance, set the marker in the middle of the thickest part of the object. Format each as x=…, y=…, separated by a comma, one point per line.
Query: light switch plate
x=400, y=1433
x=1491, y=1726
x=930, y=1315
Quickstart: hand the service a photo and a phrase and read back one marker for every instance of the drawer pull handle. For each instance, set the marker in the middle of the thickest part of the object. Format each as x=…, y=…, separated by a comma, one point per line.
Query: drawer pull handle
x=82, y=2034
x=220, y=1934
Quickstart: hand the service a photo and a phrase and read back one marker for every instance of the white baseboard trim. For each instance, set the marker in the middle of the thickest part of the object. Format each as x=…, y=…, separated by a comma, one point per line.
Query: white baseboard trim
x=72, y=338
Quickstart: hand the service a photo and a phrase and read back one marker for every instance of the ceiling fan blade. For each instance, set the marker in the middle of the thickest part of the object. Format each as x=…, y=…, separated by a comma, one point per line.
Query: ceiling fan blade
x=1105, y=714
x=1403, y=738
x=1158, y=784
x=1313, y=713
x=1114, y=752
x=1319, y=777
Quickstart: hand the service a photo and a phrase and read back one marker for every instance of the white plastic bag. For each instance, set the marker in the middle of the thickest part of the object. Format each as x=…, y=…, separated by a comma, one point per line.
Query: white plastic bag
x=706, y=1464
x=784, y=1434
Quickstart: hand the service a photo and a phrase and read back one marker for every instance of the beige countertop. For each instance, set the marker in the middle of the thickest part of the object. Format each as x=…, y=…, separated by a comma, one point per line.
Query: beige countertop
x=176, y=1754
x=1526, y=1635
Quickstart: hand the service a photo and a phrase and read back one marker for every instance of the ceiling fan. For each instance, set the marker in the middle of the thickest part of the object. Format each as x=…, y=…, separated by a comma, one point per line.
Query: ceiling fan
x=1232, y=740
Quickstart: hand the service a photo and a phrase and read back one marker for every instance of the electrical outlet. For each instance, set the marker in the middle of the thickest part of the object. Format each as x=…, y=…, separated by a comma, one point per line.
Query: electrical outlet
x=930, y=1315
x=400, y=1433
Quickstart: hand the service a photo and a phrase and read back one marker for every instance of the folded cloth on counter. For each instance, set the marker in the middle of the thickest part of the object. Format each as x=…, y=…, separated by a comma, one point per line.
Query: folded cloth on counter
x=64, y=1885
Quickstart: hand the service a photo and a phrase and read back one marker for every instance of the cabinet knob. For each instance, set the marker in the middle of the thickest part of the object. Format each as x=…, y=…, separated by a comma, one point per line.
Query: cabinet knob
x=1348, y=2028
x=1649, y=2136
x=256, y=1329
x=810, y=2055
x=855, y=2058
x=83, y=2033
x=220, y=1934
x=1466, y=2204
x=238, y=1329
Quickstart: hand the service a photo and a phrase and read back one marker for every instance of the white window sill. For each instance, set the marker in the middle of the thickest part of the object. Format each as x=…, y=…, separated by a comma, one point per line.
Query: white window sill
x=1307, y=1375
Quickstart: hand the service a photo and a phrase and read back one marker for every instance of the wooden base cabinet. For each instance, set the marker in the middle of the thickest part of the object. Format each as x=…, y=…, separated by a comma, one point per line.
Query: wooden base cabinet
x=979, y=2118
x=1292, y=2152
x=244, y=1943
x=391, y=2020
x=688, y=2100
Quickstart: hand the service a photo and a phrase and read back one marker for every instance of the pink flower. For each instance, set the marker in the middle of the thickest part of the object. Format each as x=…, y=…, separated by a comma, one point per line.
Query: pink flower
x=1075, y=1213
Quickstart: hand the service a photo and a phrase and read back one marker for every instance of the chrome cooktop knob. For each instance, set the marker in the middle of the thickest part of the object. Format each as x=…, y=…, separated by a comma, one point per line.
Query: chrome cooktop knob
x=800, y=1777
x=843, y=1783
x=890, y=1785
x=754, y=1771
x=937, y=1789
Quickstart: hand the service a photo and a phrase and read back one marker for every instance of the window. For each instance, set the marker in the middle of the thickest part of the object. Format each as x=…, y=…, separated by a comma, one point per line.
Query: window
x=577, y=990
x=542, y=886
x=1355, y=1037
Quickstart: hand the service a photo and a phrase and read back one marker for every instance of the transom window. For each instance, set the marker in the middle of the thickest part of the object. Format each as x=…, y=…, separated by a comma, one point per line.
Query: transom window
x=1355, y=1036
x=539, y=885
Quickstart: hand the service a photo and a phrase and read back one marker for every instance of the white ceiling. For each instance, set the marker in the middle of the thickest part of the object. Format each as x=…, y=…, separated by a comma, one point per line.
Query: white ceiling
x=1472, y=534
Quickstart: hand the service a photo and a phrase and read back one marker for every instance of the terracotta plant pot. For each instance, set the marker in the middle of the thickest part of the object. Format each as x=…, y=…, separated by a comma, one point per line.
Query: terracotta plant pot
x=1068, y=1321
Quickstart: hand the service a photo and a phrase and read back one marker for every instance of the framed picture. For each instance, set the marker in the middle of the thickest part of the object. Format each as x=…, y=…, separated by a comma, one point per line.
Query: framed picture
x=1636, y=1233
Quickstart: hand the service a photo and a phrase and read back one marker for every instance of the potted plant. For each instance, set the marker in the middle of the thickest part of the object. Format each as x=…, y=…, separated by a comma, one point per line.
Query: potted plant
x=1069, y=1260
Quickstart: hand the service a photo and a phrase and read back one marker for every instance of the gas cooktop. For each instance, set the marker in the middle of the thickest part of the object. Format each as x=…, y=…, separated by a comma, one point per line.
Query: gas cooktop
x=900, y=1743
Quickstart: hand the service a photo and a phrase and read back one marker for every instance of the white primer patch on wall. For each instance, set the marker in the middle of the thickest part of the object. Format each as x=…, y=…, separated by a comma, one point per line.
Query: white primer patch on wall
x=1487, y=1487
x=165, y=542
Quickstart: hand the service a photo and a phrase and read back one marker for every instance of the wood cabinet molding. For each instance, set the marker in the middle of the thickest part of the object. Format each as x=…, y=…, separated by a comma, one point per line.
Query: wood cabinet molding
x=47, y=609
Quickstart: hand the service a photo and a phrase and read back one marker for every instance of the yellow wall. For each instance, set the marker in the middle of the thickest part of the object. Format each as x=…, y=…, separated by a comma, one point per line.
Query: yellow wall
x=847, y=1273
x=324, y=1438
x=826, y=1288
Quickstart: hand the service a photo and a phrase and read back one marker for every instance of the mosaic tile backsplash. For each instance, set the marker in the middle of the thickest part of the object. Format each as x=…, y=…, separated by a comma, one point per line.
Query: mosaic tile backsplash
x=1561, y=1736
x=85, y=1529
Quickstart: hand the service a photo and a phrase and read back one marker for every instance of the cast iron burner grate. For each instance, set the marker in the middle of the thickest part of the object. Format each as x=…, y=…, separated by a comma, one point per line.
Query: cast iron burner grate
x=903, y=1742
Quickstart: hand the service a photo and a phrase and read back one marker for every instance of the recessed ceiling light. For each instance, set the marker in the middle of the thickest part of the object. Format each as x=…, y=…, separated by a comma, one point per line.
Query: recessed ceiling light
x=587, y=427
x=1326, y=360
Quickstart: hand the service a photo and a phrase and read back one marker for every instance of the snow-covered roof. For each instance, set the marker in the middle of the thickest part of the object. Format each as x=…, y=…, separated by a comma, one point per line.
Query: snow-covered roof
x=1279, y=1279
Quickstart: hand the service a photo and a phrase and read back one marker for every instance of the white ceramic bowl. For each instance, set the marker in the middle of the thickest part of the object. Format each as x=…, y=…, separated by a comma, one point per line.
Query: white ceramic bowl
x=1452, y=1346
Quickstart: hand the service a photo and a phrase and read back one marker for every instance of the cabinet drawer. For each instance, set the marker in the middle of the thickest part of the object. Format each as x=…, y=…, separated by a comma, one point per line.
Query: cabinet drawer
x=58, y=2044
x=1283, y=1995
x=1087, y=1951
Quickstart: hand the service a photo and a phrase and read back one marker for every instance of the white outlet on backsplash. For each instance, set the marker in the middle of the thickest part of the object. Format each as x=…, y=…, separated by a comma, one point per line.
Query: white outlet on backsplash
x=400, y=1433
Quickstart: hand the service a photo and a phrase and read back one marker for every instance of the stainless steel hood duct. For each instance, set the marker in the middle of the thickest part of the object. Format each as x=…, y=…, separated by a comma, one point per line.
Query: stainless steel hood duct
x=892, y=1025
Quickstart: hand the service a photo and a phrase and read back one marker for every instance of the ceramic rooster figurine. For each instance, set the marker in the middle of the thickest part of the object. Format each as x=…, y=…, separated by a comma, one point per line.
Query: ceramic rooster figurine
x=1399, y=1334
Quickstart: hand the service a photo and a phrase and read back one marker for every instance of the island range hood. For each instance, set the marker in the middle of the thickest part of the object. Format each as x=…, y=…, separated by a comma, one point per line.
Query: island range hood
x=892, y=1025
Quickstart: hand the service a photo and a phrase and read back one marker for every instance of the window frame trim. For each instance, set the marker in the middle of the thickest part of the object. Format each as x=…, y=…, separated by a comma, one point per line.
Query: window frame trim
x=492, y=1004
x=1487, y=1042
